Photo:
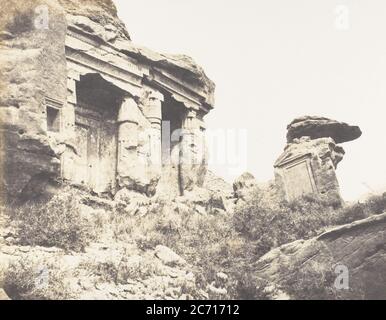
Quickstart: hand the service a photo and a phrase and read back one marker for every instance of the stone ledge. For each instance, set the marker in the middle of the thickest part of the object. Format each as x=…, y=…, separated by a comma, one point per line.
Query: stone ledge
x=338, y=231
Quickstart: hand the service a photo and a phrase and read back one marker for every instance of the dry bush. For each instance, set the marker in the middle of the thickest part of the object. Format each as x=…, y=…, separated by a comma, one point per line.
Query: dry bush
x=122, y=266
x=269, y=226
x=209, y=243
x=376, y=204
x=315, y=281
x=29, y=279
x=58, y=223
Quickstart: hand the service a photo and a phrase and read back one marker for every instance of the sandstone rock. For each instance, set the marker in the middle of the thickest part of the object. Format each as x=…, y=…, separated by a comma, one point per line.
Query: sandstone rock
x=217, y=185
x=84, y=57
x=320, y=127
x=128, y=196
x=198, y=196
x=244, y=186
x=193, y=164
x=202, y=201
x=308, y=167
x=179, y=64
x=358, y=246
x=28, y=58
x=168, y=256
x=101, y=12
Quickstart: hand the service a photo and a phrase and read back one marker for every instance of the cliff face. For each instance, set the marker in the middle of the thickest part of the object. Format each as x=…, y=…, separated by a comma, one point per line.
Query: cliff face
x=357, y=249
x=33, y=62
x=102, y=12
x=33, y=65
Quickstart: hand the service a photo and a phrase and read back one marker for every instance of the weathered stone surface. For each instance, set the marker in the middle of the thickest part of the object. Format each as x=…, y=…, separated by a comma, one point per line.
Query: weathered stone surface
x=359, y=246
x=83, y=62
x=168, y=256
x=102, y=13
x=28, y=57
x=217, y=184
x=308, y=167
x=181, y=65
x=244, y=186
x=320, y=127
x=308, y=163
x=193, y=159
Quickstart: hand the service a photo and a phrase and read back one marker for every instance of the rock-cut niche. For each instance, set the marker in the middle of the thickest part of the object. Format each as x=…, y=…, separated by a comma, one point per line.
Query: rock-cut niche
x=96, y=112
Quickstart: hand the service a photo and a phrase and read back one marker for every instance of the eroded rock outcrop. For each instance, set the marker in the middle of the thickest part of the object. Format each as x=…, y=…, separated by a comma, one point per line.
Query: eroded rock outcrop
x=311, y=156
x=28, y=56
x=320, y=127
x=244, y=187
x=360, y=247
x=69, y=73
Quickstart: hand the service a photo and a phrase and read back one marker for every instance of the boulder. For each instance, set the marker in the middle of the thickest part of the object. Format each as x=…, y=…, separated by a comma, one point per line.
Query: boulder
x=217, y=185
x=359, y=247
x=320, y=127
x=168, y=256
x=244, y=186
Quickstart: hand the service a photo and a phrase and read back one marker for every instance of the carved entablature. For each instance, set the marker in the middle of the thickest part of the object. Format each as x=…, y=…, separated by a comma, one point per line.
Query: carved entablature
x=139, y=96
x=88, y=55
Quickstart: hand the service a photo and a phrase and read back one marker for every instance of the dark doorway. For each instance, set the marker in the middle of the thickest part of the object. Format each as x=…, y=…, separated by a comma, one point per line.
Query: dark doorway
x=173, y=113
x=96, y=114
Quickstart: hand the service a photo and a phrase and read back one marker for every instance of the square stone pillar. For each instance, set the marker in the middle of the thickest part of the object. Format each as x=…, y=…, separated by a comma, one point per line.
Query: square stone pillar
x=67, y=133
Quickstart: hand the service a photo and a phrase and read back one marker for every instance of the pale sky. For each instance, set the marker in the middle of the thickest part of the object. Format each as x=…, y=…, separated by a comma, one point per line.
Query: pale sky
x=274, y=60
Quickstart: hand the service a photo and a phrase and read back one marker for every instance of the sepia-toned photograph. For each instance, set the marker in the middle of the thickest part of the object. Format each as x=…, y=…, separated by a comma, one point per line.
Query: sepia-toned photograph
x=192, y=150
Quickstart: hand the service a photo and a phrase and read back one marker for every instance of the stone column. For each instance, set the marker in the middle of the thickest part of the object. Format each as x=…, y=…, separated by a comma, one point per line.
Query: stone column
x=153, y=113
x=193, y=154
x=127, y=140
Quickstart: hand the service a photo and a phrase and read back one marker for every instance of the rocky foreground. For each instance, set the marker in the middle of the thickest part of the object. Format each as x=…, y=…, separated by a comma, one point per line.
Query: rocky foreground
x=358, y=248
x=138, y=268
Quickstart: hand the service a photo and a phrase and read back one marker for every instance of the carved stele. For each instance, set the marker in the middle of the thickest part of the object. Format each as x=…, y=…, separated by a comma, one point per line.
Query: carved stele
x=308, y=167
x=298, y=177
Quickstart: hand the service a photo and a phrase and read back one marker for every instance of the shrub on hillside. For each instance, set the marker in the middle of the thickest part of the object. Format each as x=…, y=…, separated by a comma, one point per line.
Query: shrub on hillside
x=59, y=223
x=376, y=204
x=315, y=281
x=350, y=214
x=270, y=225
x=373, y=206
x=119, y=271
x=31, y=280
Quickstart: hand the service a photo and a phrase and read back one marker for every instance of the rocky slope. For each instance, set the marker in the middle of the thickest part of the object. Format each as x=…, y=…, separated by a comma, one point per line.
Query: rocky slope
x=360, y=246
x=108, y=268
